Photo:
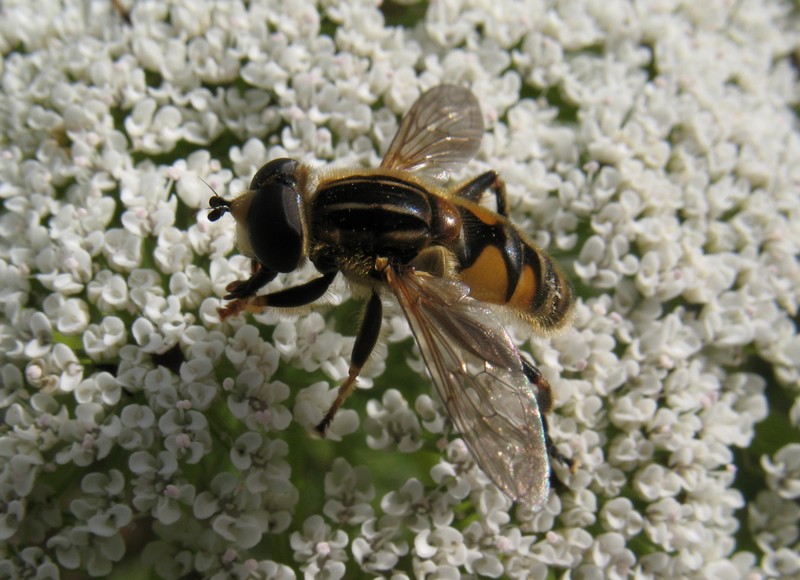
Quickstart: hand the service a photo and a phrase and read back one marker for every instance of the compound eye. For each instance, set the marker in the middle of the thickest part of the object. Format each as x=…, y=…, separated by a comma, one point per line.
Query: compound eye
x=282, y=170
x=274, y=222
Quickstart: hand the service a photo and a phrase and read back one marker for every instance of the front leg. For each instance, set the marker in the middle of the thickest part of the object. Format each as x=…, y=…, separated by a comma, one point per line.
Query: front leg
x=259, y=277
x=288, y=298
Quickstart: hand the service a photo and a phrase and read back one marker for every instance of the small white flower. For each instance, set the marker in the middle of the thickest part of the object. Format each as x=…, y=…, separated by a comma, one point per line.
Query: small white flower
x=233, y=512
x=90, y=434
x=13, y=515
x=172, y=253
x=191, y=286
x=258, y=402
x=419, y=511
x=42, y=336
x=313, y=346
x=102, y=388
x=11, y=384
x=444, y=546
x=320, y=548
x=285, y=338
x=267, y=473
x=103, y=341
x=313, y=402
x=619, y=515
x=783, y=473
x=449, y=476
x=33, y=562
x=349, y=491
x=108, y=291
x=186, y=434
x=23, y=465
x=391, y=423
x=155, y=490
x=73, y=316
x=138, y=427
x=99, y=508
x=431, y=414
x=76, y=545
x=377, y=548
x=122, y=250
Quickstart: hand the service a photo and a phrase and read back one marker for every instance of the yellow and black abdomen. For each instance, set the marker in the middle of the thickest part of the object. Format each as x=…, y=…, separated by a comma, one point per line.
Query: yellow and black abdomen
x=502, y=267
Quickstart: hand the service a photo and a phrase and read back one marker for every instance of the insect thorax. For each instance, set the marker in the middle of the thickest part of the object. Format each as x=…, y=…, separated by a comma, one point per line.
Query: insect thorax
x=358, y=218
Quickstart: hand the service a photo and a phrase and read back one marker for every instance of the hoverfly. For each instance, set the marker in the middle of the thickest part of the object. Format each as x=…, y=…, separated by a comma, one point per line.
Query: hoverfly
x=448, y=260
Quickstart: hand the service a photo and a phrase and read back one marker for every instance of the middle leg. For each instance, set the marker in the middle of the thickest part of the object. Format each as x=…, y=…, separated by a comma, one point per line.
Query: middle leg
x=365, y=343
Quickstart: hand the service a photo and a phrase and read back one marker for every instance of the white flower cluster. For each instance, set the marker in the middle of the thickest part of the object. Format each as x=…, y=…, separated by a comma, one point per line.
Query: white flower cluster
x=652, y=146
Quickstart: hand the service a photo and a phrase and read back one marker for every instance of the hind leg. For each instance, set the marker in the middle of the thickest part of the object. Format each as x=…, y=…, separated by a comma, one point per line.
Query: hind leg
x=472, y=190
x=544, y=398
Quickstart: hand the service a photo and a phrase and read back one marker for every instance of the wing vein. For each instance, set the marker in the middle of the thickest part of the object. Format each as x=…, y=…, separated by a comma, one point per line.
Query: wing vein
x=490, y=402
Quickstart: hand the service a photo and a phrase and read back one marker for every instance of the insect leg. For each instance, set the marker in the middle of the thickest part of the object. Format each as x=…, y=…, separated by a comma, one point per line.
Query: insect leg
x=290, y=297
x=544, y=398
x=544, y=395
x=365, y=342
x=259, y=277
x=472, y=190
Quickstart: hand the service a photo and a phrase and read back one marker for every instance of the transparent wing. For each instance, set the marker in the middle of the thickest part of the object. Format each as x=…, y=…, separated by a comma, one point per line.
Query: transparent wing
x=443, y=129
x=478, y=374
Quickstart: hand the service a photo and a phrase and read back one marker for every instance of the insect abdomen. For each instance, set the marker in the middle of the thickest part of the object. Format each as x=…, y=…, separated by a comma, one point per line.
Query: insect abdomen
x=501, y=267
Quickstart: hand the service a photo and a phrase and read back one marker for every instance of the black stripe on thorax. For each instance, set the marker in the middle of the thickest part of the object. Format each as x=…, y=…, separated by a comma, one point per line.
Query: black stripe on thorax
x=373, y=202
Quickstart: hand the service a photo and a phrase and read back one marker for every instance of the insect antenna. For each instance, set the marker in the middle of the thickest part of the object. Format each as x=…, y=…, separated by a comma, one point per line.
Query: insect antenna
x=219, y=205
